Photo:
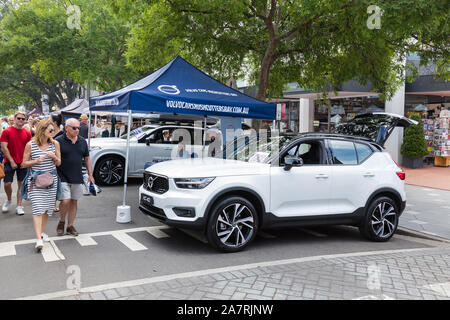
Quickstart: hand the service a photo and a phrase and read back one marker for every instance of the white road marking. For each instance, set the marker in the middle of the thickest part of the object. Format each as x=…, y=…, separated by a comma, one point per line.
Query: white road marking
x=371, y=297
x=418, y=222
x=130, y=283
x=439, y=200
x=441, y=288
x=412, y=212
x=410, y=205
x=7, y=249
x=433, y=194
x=314, y=233
x=427, y=189
x=128, y=241
x=446, y=207
x=433, y=234
x=85, y=240
x=157, y=233
x=50, y=252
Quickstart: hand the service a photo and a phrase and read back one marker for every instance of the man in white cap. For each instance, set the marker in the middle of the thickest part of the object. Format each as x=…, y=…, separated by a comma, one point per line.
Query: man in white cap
x=84, y=126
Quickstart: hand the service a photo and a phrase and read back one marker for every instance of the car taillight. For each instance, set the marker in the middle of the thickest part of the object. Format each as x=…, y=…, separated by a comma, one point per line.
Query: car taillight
x=401, y=175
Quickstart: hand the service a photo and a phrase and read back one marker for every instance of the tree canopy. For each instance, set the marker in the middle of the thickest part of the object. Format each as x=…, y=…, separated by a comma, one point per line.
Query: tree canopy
x=317, y=43
x=40, y=53
x=312, y=42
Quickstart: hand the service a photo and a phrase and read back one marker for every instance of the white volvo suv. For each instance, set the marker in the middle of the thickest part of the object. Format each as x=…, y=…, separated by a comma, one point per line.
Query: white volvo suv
x=307, y=179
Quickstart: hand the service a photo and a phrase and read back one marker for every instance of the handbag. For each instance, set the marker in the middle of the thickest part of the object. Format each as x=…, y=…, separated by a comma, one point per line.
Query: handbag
x=2, y=170
x=43, y=180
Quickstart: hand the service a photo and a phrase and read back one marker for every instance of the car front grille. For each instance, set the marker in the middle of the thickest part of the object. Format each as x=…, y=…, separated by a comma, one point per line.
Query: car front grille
x=155, y=183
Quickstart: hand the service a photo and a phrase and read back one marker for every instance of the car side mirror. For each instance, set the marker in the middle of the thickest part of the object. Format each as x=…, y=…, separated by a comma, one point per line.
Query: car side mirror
x=290, y=162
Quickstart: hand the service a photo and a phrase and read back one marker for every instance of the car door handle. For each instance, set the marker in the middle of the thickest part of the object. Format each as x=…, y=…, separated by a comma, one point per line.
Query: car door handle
x=369, y=174
x=321, y=176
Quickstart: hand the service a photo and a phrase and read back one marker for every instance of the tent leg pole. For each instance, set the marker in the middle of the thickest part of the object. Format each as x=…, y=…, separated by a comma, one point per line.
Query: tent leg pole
x=125, y=179
x=204, y=137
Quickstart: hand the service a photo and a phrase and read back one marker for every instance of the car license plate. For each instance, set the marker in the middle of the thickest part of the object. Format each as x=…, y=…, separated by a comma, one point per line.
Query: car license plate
x=146, y=200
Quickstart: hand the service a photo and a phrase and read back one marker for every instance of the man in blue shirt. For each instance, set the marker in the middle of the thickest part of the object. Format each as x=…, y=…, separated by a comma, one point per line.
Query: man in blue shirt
x=74, y=150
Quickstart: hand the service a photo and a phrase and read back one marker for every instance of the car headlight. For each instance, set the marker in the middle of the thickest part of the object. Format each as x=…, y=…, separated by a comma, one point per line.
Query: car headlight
x=95, y=148
x=192, y=183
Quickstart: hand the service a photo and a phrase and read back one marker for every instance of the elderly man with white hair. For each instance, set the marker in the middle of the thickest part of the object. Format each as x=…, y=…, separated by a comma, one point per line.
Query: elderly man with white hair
x=74, y=149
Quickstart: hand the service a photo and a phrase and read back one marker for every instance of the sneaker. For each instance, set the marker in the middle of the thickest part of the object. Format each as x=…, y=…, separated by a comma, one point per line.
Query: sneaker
x=19, y=211
x=71, y=230
x=60, y=228
x=39, y=245
x=5, y=207
x=45, y=237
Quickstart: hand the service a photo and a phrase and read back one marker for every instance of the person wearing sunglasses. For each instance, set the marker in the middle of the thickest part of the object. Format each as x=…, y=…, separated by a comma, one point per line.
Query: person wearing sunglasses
x=13, y=141
x=42, y=155
x=74, y=150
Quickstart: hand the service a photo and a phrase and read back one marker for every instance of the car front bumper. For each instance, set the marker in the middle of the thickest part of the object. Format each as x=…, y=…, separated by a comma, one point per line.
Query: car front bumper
x=162, y=207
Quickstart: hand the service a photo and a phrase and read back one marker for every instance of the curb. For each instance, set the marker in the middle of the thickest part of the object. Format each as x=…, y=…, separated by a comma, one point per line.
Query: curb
x=417, y=234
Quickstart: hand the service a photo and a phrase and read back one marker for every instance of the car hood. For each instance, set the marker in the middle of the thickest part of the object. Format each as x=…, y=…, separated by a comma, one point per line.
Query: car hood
x=102, y=142
x=207, y=167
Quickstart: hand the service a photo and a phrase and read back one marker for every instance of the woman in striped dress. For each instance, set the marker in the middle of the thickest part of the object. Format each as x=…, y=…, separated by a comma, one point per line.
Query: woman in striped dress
x=42, y=154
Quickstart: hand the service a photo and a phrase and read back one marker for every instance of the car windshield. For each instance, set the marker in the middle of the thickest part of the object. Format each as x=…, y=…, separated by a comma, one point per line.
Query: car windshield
x=256, y=149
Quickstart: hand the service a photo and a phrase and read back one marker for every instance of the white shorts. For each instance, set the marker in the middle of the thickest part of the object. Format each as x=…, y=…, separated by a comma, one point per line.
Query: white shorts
x=72, y=191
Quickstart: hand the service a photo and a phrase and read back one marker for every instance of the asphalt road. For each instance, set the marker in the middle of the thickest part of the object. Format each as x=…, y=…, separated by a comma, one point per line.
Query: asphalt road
x=106, y=256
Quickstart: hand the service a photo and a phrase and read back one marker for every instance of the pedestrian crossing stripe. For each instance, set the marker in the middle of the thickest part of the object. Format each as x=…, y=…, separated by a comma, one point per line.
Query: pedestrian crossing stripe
x=51, y=252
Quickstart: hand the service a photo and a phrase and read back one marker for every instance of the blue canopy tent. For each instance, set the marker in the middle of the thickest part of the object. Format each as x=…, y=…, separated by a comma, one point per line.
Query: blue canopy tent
x=179, y=87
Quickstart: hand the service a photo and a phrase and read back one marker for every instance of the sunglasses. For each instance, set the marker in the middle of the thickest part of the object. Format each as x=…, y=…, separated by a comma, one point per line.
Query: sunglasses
x=75, y=128
x=51, y=130
x=20, y=118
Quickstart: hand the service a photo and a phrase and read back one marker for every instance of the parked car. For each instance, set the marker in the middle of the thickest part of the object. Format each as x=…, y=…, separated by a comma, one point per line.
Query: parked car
x=146, y=146
x=309, y=179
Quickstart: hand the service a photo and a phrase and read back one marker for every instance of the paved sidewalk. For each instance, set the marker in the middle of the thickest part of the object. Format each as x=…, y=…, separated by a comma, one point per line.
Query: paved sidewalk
x=415, y=274
x=427, y=211
x=429, y=176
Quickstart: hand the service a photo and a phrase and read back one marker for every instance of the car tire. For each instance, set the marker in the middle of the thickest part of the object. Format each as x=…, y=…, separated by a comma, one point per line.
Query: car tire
x=381, y=220
x=109, y=170
x=224, y=231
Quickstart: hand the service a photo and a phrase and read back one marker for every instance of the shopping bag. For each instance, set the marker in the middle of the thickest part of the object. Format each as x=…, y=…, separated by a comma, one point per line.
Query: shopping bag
x=94, y=189
x=86, y=185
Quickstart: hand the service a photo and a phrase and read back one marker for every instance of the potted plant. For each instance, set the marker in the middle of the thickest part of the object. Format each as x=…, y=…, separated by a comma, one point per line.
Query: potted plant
x=414, y=146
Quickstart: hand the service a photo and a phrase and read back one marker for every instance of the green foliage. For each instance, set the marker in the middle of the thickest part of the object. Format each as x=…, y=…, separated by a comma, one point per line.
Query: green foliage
x=38, y=48
x=315, y=43
x=414, y=144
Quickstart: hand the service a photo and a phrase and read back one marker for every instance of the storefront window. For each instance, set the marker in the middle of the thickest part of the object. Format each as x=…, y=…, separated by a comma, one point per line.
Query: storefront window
x=343, y=110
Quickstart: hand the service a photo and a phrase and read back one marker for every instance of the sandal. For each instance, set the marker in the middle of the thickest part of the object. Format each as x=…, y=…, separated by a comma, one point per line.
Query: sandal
x=55, y=209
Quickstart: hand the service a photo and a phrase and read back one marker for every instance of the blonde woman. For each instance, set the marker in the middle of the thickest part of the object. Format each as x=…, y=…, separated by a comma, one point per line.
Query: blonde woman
x=42, y=155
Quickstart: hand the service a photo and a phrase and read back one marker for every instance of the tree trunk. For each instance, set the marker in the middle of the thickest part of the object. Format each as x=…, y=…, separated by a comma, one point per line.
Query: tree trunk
x=264, y=78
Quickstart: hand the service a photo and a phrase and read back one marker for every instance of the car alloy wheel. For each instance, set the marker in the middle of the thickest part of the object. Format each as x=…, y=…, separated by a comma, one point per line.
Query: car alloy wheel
x=381, y=220
x=233, y=224
x=110, y=171
x=384, y=220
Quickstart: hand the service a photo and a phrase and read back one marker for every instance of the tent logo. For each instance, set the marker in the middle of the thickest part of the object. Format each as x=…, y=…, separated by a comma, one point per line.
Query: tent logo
x=107, y=102
x=164, y=88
